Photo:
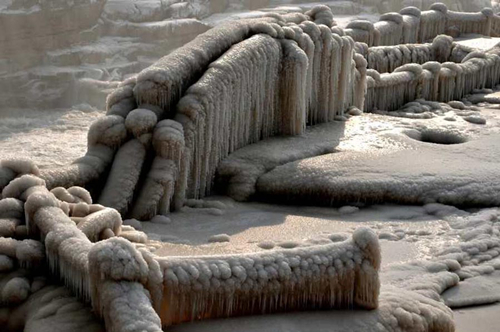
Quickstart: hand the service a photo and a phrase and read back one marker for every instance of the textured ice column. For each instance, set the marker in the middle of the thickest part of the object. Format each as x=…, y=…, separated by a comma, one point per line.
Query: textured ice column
x=341, y=275
x=292, y=94
x=124, y=176
x=442, y=47
x=158, y=190
x=369, y=104
x=433, y=22
x=335, y=105
x=411, y=24
x=495, y=26
x=119, y=275
x=447, y=86
x=346, y=72
x=325, y=80
x=458, y=90
x=307, y=45
x=314, y=32
x=390, y=28
x=360, y=83
x=433, y=68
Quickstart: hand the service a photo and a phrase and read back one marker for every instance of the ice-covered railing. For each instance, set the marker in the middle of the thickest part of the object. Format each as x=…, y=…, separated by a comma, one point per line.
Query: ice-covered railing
x=68, y=235
x=167, y=129
x=385, y=59
x=339, y=275
x=411, y=25
x=263, y=87
x=133, y=290
x=443, y=80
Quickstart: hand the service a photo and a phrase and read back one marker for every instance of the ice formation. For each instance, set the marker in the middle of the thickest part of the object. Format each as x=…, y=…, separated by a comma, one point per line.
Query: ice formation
x=341, y=275
x=168, y=133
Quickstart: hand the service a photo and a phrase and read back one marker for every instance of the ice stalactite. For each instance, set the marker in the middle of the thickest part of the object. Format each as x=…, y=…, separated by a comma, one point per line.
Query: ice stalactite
x=433, y=22
x=390, y=28
x=305, y=43
x=346, y=73
x=340, y=275
x=314, y=33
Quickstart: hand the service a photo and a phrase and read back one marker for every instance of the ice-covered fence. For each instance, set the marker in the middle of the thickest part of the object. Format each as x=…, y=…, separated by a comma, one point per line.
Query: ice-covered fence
x=438, y=81
x=411, y=25
x=133, y=290
x=340, y=275
x=256, y=90
x=478, y=70
x=463, y=23
x=233, y=86
x=385, y=59
x=66, y=229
